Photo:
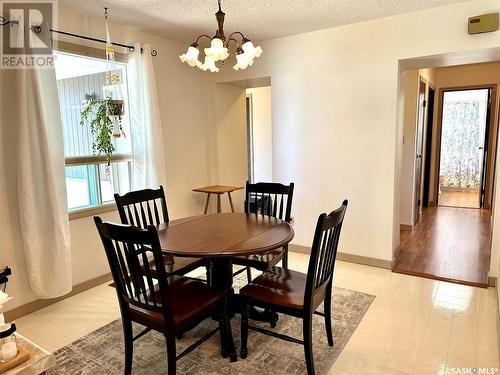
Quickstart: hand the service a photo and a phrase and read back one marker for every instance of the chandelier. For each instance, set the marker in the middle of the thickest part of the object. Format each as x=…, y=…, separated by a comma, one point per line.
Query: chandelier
x=219, y=49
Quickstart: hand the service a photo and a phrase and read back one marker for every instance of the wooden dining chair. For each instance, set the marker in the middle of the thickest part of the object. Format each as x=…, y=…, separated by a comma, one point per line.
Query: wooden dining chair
x=167, y=305
x=296, y=294
x=270, y=199
x=149, y=207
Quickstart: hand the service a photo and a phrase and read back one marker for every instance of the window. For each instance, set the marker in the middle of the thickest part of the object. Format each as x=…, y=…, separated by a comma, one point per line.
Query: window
x=90, y=182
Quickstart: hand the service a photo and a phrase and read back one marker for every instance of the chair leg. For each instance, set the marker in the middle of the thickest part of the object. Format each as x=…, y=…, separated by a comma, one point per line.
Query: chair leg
x=231, y=349
x=209, y=275
x=249, y=274
x=284, y=261
x=244, y=330
x=308, y=350
x=171, y=353
x=328, y=317
x=129, y=345
x=223, y=338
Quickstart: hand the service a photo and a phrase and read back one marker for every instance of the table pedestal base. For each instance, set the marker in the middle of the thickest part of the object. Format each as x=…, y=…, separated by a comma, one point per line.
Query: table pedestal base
x=221, y=276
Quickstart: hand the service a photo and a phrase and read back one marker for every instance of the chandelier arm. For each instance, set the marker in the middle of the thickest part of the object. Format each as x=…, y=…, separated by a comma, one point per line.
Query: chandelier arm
x=237, y=32
x=202, y=36
x=231, y=39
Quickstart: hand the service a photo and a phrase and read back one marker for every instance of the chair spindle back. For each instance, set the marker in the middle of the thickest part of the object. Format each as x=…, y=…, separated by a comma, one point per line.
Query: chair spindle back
x=129, y=251
x=324, y=250
x=270, y=199
x=143, y=207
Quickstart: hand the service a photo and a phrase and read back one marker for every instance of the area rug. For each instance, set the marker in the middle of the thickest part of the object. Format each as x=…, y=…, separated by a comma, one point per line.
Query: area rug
x=101, y=352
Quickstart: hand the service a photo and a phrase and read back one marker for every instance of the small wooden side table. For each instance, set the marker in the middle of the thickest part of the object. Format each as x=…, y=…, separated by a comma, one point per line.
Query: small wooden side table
x=218, y=189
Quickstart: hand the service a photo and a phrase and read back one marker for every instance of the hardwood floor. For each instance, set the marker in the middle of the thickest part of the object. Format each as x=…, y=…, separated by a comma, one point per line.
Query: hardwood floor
x=448, y=243
x=461, y=198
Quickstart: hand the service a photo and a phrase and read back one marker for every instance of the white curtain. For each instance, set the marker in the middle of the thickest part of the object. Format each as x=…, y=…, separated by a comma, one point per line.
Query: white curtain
x=43, y=216
x=147, y=133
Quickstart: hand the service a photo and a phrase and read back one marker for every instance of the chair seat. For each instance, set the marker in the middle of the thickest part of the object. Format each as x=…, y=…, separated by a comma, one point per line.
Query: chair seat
x=261, y=261
x=278, y=286
x=177, y=265
x=191, y=300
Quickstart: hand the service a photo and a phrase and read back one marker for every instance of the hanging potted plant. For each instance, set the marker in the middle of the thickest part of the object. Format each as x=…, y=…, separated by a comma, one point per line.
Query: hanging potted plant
x=103, y=116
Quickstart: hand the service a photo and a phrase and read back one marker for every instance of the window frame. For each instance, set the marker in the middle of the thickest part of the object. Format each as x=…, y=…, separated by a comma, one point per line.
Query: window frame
x=95, y=161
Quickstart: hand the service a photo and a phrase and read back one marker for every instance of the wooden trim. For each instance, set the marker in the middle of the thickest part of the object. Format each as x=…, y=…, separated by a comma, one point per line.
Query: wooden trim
x=41, y=303
x=498, y=317
x=406, y=226
x=492, y=281
x=441, y=278
x=367, y=261
x=351, y=258
x=299, y=249
x=91, y=211
x=82, y=50
x=85, y=160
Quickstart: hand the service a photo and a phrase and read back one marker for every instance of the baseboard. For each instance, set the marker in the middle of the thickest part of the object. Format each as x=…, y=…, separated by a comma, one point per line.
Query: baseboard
x=41, y=303
x=299, y=249
x=498, y=317
x=405, y=227
x=367, y=261
x=492, y=281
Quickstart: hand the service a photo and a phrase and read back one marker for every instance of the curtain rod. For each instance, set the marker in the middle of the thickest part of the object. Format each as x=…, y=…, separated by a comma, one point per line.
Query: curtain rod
x=38, y=29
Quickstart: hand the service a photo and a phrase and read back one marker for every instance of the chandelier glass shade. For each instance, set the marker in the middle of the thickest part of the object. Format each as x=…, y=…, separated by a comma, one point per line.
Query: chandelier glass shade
x=246, y=52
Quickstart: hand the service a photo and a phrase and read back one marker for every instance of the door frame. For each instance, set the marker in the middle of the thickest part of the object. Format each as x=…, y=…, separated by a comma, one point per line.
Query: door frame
x=429, y=131
x=249, y=125
x=491, y=141
x=418, y=177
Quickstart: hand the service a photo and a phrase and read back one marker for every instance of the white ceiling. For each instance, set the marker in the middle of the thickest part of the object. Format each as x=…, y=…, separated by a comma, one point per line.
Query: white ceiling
x=183, y=20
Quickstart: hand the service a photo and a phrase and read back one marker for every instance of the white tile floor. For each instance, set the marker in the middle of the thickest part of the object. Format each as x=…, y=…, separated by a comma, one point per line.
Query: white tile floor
x=414, y=326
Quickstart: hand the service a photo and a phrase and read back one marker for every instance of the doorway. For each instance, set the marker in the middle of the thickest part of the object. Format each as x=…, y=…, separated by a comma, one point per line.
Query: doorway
x=463, y=152
x=449, y=125
x=259, y=134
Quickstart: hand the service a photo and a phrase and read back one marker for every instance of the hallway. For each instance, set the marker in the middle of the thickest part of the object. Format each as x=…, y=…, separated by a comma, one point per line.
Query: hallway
x=451, y=244
x=467, y=198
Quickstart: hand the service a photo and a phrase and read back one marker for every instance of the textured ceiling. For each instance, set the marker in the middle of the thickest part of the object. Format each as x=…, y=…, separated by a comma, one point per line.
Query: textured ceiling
x=182, y=20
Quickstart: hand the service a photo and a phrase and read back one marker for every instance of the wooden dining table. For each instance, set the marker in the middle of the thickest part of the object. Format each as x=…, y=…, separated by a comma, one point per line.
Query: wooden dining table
x=221, y=237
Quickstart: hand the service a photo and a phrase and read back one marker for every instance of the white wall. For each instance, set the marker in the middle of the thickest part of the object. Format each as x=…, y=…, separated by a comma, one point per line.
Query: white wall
x=262, y=133
x=231, y=138
x=186, y=115
x=335, y=111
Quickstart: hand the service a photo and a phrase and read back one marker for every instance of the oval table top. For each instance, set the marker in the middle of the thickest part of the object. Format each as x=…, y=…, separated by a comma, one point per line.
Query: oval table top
x=224, y=235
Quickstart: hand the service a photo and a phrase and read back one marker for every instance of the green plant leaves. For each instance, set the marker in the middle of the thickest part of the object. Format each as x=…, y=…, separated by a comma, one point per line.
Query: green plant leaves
x=95, y=114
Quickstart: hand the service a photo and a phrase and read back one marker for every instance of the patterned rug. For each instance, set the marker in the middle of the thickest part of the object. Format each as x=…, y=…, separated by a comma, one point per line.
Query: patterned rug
x=101, y=352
